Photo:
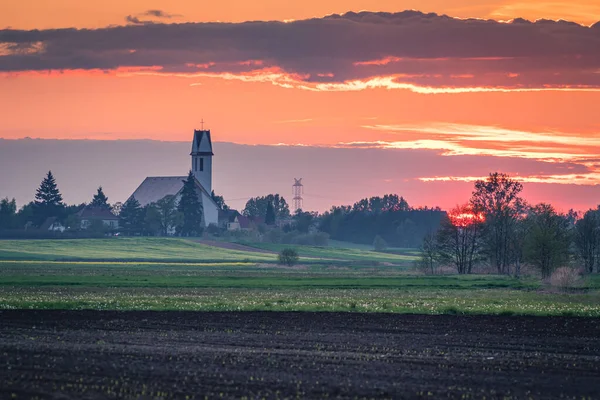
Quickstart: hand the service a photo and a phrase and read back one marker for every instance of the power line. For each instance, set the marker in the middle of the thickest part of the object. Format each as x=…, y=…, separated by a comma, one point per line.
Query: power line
x=322, y=197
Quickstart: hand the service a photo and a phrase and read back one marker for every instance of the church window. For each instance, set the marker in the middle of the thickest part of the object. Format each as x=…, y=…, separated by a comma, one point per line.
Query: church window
x=202, y=164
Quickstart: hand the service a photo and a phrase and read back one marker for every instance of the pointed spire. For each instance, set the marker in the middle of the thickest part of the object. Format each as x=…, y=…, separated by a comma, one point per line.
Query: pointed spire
x=202, y=144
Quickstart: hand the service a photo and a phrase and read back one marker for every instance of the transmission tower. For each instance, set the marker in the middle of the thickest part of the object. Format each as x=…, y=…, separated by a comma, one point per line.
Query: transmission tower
x=298, y=191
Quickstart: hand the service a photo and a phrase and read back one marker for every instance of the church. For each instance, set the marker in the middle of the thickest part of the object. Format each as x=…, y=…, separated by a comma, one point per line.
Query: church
x=155, y=188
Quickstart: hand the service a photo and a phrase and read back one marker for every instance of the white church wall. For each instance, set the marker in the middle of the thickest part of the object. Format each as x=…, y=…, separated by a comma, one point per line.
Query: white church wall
x=204, y=176
x=211, y=211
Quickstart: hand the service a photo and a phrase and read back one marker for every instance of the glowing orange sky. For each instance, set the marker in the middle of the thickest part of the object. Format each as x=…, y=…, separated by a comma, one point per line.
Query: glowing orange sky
x=117, y=105
x=36, y=14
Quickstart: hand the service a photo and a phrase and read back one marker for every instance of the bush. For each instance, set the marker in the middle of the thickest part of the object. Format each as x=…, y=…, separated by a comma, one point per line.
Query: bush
x=321, y=239
x=288, y=257
x=213, y=229
x=379, y=244
x=274, y=235
x=565, y=278
x=303, y=240
x=288, y=237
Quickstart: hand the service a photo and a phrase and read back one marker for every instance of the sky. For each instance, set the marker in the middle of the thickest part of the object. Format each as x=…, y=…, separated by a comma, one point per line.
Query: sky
x=468, y=86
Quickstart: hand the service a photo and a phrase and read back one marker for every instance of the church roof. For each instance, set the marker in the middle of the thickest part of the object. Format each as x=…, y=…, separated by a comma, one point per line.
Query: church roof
x=202, y=144
x=154, y=188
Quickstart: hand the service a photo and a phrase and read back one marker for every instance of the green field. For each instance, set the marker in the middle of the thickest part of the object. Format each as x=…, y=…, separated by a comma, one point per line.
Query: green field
x=338, y=253
x=178, y=274
x=123, y=249
x=173, y=250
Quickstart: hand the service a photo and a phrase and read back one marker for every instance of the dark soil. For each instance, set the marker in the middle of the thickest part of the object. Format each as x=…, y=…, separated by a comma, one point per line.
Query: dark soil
x=93, y=355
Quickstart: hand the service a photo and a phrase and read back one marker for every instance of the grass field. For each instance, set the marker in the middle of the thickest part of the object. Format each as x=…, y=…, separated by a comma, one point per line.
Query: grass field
x=421, y=301
x=338, y=253
x=172, y=250
x=177, y=274
x=124, y=249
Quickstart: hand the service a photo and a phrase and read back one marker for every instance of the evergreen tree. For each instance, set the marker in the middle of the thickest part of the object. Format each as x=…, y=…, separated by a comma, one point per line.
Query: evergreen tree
x=191, y=208
x=100, y=200
x=270, y=214
x=48, y=200
x=131, y=217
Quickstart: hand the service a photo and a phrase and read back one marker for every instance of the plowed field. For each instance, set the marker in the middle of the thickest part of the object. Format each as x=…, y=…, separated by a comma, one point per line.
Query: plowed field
x=106, y=354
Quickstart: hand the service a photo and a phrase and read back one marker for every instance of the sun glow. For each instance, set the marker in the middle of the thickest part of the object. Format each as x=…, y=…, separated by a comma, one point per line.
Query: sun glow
x=464, y=218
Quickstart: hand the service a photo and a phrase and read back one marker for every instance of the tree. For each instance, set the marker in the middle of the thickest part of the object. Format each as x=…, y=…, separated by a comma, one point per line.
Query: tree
x=191, y=208
x=73, y=222
x=270, y=215
x=458, y=239
x=131, y=217
x=379, y=243
x=26, y=214
x=98, y=227
x=162, y=217
x=100, y=200
x=429, y=256
x=8, y=213
x=257, y=206
x=407, y=233
x=498, y=199
x=303, y=220
x=587, y=239
x=547, y=243
x=48, y=200
x=220, y=201
x=377, y=205
x=288, y=257
x=517, y=243
x=389, y=217
x=116, y=208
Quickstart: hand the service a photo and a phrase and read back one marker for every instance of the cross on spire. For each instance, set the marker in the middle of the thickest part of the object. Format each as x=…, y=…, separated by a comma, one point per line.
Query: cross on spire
x=202, y=123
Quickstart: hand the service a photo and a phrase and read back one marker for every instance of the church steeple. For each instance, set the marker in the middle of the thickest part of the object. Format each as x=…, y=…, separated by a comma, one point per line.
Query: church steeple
x=202, y=154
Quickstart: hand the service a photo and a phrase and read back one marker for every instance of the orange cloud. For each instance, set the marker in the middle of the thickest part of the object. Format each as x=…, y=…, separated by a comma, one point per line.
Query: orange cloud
x=586, y=11
x=591, y=178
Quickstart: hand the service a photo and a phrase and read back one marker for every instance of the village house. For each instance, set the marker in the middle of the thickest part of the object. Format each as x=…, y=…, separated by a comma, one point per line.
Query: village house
x=52, y=224
x=88, y=215
x=243, y=223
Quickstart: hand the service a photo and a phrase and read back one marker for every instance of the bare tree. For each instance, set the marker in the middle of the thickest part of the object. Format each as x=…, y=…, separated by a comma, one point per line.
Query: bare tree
x=429, y=254
x=458, y=239
x=517, y=243
x=498, y=199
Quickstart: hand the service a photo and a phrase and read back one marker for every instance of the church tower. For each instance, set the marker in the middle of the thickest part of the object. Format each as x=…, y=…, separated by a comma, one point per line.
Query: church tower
x=202, y=155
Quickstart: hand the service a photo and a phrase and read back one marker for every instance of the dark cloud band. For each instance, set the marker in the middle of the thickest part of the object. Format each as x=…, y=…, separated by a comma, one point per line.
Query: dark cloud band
x=416, y=48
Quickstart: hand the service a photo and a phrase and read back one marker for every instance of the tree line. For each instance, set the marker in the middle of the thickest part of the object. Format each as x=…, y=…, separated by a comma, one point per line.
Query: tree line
x=498, y=228
x=166, y=216
x=381, y=221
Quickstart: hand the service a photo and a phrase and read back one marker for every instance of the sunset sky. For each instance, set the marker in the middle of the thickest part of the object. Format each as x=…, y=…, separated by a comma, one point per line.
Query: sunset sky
x=505, y=83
